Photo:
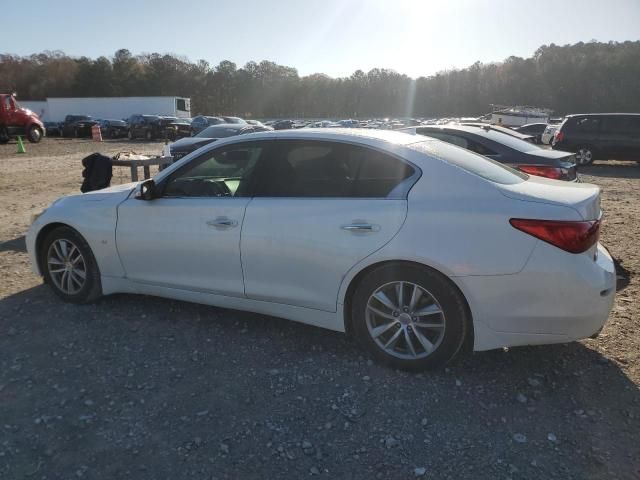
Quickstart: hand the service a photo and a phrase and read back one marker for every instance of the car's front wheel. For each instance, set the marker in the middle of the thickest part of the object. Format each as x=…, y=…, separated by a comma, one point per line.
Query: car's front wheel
x=69, y=267
x=34, y=135
x=409, y=317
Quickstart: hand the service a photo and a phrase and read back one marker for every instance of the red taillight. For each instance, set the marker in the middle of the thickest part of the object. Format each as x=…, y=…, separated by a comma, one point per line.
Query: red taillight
x=573, y=237
x=559, y=136
x=543, y=171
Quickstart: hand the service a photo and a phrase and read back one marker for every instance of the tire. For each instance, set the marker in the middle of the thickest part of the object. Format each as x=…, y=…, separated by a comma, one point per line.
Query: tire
x=438, y=300
x=34, y=134
x=4, y=136
x=584, y=155
x=52, y=258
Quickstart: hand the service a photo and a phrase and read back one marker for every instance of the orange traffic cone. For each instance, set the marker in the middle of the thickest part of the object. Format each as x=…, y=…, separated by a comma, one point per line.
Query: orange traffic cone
x=96, y=134
x=21, y=146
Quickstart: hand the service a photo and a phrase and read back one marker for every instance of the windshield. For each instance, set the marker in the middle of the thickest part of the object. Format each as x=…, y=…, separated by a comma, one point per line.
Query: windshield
x=471, y=162
x=217, y=132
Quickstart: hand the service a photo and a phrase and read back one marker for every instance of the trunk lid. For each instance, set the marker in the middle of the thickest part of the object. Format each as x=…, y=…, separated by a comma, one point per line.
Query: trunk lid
x=582, y=197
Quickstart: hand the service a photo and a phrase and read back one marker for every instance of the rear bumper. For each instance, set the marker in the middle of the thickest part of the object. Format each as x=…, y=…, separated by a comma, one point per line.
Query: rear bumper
x=556, y=298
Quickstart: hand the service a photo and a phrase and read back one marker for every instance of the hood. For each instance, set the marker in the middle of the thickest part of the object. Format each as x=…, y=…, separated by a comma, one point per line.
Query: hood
x=190, y=144
x=123, y=190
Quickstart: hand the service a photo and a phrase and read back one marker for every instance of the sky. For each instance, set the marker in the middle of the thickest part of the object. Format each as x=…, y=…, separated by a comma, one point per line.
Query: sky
x=335, y=37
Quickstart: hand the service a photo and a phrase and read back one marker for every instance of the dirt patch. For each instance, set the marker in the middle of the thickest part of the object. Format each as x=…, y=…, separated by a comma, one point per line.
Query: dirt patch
x=146, y=388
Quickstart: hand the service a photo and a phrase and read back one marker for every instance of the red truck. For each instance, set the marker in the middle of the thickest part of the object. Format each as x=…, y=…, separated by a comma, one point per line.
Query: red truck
x=15, y=120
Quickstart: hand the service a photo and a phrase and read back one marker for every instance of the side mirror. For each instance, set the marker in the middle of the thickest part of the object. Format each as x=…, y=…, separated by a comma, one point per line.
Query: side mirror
x=148, y=190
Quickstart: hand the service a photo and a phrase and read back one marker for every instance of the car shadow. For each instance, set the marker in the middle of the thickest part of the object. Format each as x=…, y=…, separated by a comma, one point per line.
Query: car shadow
x=227, y=359
x=18, y=244
x=612, y=169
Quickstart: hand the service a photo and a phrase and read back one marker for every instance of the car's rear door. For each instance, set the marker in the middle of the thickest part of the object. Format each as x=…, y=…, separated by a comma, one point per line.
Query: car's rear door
x=189, y=238
x=319, y=208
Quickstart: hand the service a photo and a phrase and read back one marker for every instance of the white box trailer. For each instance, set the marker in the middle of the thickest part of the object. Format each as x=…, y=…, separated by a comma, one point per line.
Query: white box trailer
x=114, y=108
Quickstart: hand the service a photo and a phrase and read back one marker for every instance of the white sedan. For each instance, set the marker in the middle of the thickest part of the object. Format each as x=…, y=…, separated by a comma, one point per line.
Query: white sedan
x=413, y=245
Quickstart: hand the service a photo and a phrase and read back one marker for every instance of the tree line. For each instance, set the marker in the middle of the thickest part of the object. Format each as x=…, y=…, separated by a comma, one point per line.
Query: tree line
x=584, y=77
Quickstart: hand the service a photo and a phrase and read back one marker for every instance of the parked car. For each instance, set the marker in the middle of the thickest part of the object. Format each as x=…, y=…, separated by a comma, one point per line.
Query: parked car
x=15, y=120
x=534, y=129
x=234, y=120
x=600, y=136
x=113, y=128
x=173, y=128
x=549, y=132
x=414, y=245
x=282, y=125
x=184, y=146
x=145, y=126
x=53, y=129
x=256, y=122
x=78, y=126
x=201, y=122
x=505, y=149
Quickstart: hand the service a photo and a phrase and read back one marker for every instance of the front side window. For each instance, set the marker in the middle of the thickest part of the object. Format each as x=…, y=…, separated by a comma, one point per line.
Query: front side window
x=328, y=169
x=216, y=173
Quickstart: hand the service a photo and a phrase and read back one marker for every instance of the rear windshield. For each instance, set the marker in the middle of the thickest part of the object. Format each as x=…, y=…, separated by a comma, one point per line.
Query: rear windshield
x=217, y=132
x=509, y=141
x=471, y=162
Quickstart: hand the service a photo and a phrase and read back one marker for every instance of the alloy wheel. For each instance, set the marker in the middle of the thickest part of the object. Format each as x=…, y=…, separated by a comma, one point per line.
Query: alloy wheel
x=405, y=320
x=584, y=156
x=67, y=266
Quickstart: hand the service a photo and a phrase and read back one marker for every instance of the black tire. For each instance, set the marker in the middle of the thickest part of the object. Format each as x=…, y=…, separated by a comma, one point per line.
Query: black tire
x=4, y=136
x=455, y=315
x=585, y=155
x=34, y=134
x=91, y=290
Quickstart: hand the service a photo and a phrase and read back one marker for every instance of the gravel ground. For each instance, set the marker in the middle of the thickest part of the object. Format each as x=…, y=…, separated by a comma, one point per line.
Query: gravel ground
x=146, y=388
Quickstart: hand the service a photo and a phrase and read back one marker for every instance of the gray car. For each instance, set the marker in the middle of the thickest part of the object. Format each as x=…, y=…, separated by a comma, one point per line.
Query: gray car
x=505, y=149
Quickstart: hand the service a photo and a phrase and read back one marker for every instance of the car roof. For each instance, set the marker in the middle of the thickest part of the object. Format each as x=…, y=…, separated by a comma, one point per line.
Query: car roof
x=360, y=135
x=601, y=114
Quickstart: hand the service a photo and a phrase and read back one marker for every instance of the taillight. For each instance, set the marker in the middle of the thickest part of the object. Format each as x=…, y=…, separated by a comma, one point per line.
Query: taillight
x=559, y=136
x=556, y=173
x=573, y=237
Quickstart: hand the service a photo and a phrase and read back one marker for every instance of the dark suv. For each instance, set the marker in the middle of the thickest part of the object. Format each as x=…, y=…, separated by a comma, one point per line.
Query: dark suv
x=600, y=136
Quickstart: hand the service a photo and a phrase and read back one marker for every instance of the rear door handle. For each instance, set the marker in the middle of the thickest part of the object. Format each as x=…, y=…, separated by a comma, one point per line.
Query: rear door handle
x=222, y=222
x=361, y=227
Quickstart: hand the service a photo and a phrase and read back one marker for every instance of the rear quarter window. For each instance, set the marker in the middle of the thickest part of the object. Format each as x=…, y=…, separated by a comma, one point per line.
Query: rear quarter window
x=471, y=162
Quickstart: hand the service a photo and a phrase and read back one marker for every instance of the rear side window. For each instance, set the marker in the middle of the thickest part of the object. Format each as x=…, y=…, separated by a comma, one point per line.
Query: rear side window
x=476, y=164
x=621, y=124
x=582, y=125
x=328, y=169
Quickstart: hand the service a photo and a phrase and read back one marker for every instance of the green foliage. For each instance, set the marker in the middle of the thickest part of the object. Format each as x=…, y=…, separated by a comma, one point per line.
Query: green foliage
x=585, y=77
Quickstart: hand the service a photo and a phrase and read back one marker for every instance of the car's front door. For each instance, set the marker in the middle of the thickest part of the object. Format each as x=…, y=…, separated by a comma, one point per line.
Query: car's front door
x=318, y=209
x=189, y=237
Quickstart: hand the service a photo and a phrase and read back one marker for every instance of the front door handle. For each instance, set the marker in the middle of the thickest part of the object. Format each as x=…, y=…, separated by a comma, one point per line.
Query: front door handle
x=222, y=222
x=361, y=227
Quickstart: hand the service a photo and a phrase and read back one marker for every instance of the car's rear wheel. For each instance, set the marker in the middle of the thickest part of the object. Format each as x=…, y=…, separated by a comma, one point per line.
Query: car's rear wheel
x=584, y=155
x=409, y=317
x=69, y=267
